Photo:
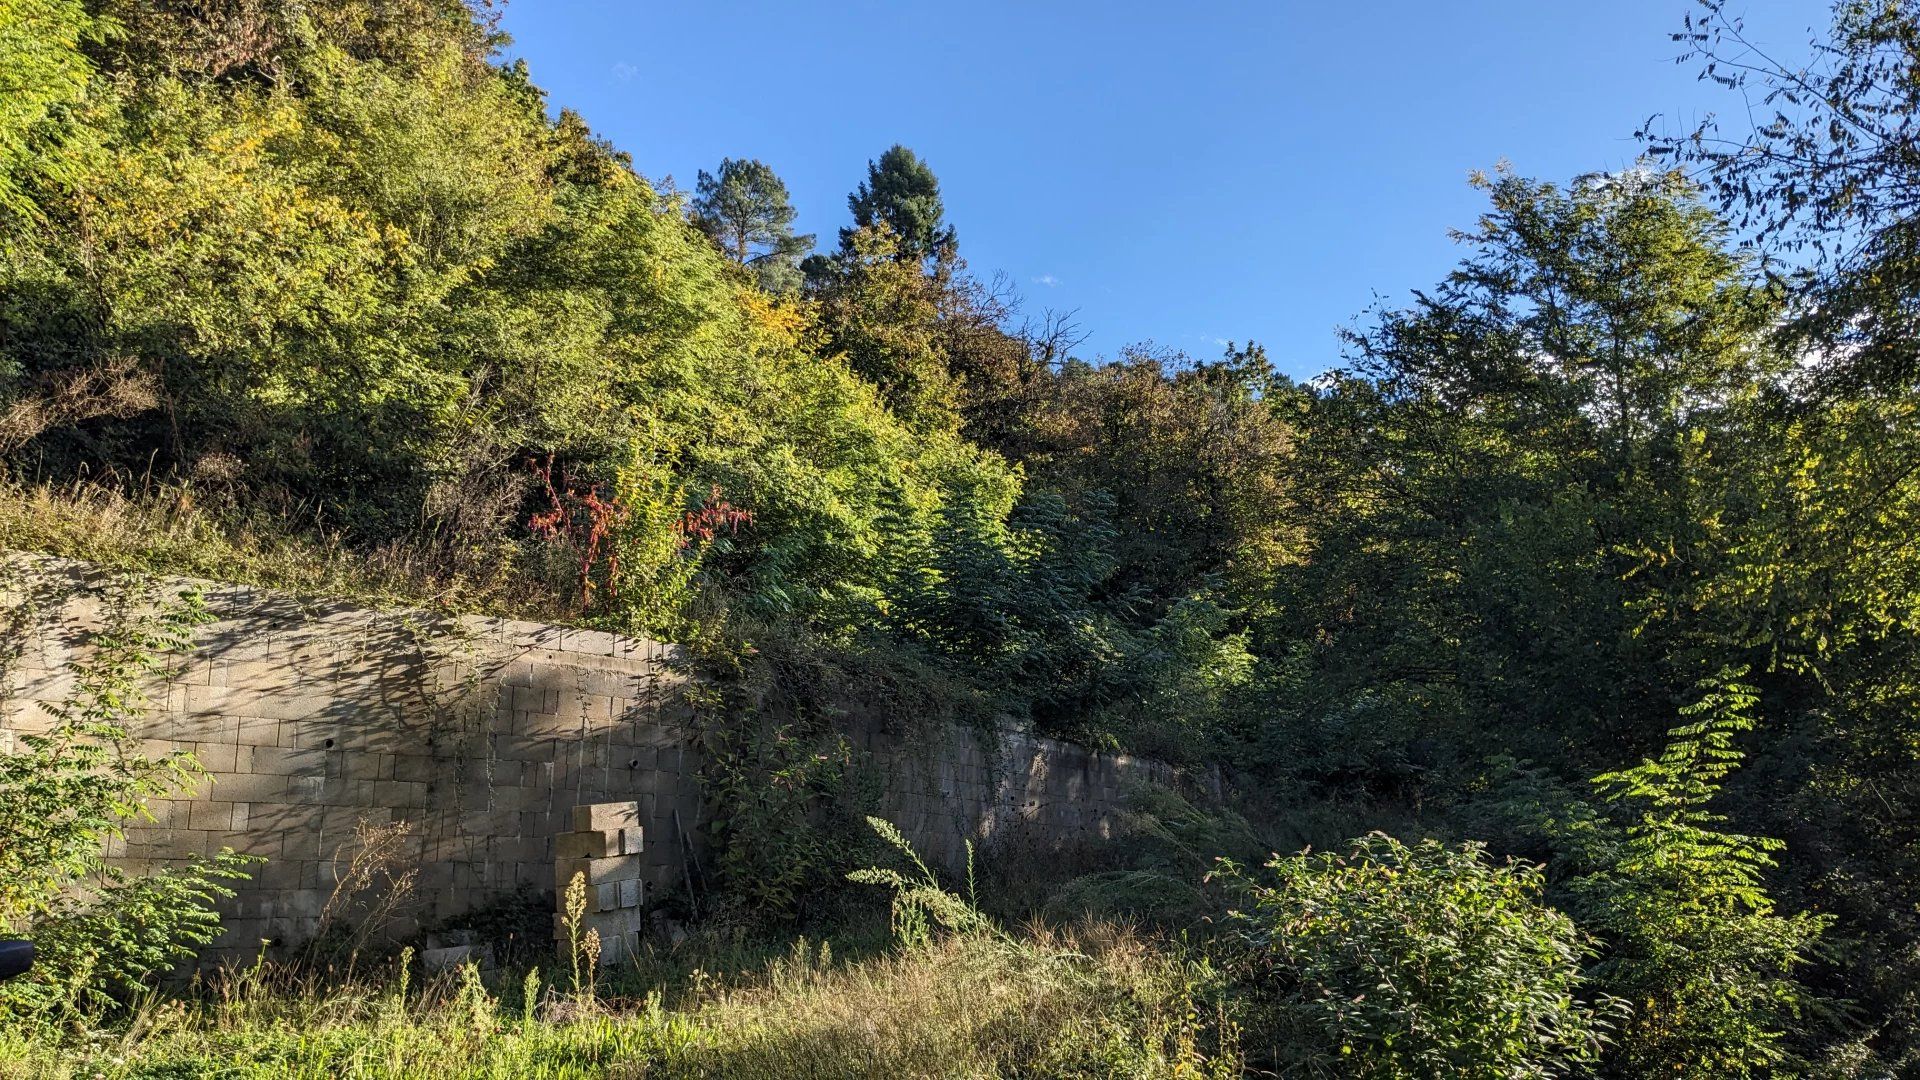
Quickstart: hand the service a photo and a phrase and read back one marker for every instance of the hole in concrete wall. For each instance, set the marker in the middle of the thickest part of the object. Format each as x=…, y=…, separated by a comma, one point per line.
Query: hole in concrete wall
x=328, y=744
x=633, y=764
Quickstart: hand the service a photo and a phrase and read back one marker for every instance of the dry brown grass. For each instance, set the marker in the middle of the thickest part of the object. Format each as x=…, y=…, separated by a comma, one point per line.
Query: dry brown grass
x=171, y=529
x=1100, y=1002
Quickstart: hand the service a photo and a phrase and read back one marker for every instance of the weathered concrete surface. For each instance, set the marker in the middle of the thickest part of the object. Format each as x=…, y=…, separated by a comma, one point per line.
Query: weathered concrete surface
x=483, y=734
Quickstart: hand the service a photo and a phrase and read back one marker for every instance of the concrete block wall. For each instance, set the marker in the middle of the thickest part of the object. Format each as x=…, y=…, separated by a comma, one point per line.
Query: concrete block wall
x=481, y=735
x=970, y=787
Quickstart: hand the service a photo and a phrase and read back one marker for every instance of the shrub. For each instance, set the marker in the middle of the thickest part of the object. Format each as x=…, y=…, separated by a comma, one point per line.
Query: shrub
x=1692, y=939
x=67, y=791
x=1168, y=843
x=1427, y=960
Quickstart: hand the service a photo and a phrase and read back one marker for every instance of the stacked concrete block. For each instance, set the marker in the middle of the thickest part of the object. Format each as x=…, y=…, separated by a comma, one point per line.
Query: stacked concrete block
x=604, y=853
x=485, y=736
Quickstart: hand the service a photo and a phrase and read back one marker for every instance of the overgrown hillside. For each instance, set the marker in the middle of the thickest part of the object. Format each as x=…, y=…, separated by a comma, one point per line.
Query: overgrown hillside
x=335, y=276
x=1598, y=553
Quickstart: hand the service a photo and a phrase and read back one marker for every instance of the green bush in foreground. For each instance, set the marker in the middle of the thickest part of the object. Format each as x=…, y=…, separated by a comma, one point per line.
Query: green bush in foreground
x=1694, y=940
x=67, y=791
x=1398, y=961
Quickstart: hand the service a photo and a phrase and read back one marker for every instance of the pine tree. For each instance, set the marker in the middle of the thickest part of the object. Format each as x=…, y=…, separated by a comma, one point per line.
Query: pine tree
x=901, y=192
x=745, y=210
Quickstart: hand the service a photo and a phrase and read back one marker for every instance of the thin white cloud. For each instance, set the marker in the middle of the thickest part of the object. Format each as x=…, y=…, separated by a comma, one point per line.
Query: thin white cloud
x=624, y=71
x=1046, y=279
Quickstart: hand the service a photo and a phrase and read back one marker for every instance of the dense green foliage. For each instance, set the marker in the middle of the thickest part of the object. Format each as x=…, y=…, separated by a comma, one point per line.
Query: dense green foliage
x=1694, y=942
x=332, y=283
x=1421, y=961
x=44, y=73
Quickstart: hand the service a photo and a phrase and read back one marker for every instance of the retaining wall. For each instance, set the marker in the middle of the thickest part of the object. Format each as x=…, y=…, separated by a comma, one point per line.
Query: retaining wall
x=481, y=734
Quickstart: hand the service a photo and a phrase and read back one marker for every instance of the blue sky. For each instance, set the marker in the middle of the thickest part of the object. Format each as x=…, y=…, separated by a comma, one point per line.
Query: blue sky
x=1180, y=173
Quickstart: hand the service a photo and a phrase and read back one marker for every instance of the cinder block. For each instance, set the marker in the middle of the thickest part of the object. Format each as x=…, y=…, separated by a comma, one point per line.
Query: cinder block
x=630, y=892
x=527, y=747
x=624, y=665
x=607, y=897
x=620, y=934
x=210, y=816
x=185, y=843
x=45, y=684
x=214, y=700
x=159, y=748
x=613, y=685
x=301, y=904
x=216, y=757
x=148, y=843
x=545, y=726
x=342, y=820
x=590, y=642
x=489, y=825
x=632, y=841
x=480, y=628
x=285, y=761
x=450, y=957
x=520, y=672
x=602, y=844
x=436, y=877
x=595, y=707
x=597, y=871
x=511, y=848
x=250, y=787
x=298, y=706
x=27, y=717
x=509, y=793
x=320, y=734
x=534, y=699
x=687, y=803
x=417, y=767
x=278, y=874
x=474, y=796
x=399, y=793
x=240, y=934
x=597, y=817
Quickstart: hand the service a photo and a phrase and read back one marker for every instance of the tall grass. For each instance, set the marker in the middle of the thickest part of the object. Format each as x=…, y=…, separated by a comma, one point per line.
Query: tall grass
x=173, y=528
x=957, y=996
x=1095, y=1002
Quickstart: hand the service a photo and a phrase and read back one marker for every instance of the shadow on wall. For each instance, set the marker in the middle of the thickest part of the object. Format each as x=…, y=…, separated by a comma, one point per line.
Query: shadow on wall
x=315, y=719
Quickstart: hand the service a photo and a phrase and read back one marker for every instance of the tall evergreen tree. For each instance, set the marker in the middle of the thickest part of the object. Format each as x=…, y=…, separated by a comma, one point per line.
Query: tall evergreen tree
x=745, y=210
x=901, y=192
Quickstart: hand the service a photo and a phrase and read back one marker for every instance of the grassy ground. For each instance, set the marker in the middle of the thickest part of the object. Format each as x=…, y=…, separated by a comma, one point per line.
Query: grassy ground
x=1098, y=1002
x=173, y=529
